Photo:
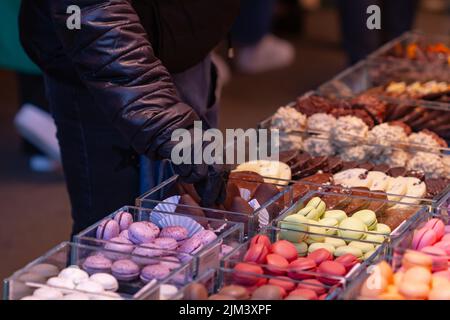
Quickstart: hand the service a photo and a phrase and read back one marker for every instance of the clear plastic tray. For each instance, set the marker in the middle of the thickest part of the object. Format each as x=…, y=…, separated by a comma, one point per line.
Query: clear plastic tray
x=353, y=290
x=395, y=52
x=67, y=254
x=384, y=210
x=229, y=234
x=251, y=222
x=369, y=74
x=443, y=206
x=273, y=233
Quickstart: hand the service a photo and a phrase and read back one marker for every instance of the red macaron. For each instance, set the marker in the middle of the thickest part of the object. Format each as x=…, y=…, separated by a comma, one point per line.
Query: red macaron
x=276, y=264
x=260, y=239
x=348, y=261
x=284, y=282
x=257, y=253
x=243, y=276
x=330, y=268
x=314, y=285
x=285, y=249
x=320, y=255
x=298, y=267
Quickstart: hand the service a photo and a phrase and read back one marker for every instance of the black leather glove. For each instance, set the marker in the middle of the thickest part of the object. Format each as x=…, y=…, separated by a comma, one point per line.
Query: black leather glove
x=210, y=181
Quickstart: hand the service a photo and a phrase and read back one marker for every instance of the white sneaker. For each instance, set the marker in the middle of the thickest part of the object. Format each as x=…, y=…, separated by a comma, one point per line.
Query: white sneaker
x=269, y=54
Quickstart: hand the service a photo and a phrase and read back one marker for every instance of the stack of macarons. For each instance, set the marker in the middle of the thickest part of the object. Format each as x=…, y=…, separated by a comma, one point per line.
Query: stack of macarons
x=415, y=280
x=142, y=250
x=433, y=238
x=313, y=227
x=279, y=264
x=72, y=283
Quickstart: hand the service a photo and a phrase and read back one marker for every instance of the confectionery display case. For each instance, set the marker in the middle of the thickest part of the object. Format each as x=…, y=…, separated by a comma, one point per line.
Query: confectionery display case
x=251, y=200
x=354, y=218
x=67, y=272
x=159, y=232
x=416, y=268
x=443, y=207
x=288, y=254
x=428, y=54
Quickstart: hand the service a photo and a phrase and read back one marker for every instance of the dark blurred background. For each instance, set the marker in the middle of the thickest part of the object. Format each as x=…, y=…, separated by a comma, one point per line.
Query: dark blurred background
x=33, y=199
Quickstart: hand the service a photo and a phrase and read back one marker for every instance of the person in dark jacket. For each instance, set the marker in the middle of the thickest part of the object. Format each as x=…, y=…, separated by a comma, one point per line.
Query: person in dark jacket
x=120, y=85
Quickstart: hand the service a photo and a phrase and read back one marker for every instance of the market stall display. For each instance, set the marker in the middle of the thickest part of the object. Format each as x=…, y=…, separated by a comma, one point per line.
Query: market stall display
x=147, y=233
x=250, y=199
x=87, y=272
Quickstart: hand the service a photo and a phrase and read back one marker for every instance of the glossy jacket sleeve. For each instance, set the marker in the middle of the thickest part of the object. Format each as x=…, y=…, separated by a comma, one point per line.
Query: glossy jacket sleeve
x=116, y=62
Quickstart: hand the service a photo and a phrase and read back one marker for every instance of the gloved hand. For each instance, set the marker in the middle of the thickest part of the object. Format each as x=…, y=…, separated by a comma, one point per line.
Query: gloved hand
x=210, y=181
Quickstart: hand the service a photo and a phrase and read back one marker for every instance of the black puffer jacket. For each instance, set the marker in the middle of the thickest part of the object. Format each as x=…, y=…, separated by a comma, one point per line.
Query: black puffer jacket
x=112, y=56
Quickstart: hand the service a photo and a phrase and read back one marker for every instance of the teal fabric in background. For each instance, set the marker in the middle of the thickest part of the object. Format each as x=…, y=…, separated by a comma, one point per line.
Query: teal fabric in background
x=12, y=55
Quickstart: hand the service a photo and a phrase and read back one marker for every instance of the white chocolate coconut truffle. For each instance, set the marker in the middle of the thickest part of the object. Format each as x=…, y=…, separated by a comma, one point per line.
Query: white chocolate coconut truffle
x=357, y=153
x=397, y=158
x=321, y=122
x=430, y=163
x=290, y=141
x=317, y=147
x=423, y=140
x=288, y=119
x=349, y=131
x=385, y=135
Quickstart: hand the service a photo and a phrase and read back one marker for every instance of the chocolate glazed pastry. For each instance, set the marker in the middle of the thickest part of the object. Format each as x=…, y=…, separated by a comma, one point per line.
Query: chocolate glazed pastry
x=314, y=165
x=300, y=164
x=436, y=186
x=319, y=178
x=337, y=201
x=377, y=206
x=348, y=165
x=393, y=217
x=288, y=157
x=240, y=205
x=366, y=165
x=382, y=168
x=263, y=194
x=334, y=165
x=357, y=204
x=299, y=190
x=211, y=213
x=397, y=172
x=246, y=179
x=415, y=174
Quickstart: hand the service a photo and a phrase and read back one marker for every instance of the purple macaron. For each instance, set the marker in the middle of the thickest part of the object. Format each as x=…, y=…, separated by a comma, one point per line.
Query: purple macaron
x=169, y=244
x=205, y=236
x=175, y=232
x=190, y=245
x=97, y=264
x=124, y=234
x=171, y=262
x=124, y=219
x=125, y=270
x=108, y=229
x=143, y=254
x=156, y=271
x=119, y=244
x=143, y=232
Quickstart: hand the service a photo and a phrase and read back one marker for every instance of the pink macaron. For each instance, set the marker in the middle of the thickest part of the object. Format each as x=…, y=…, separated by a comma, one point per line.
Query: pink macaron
x=143, y=232
x=124, y=219
x=156, y=271
x=423, y=237
x=175, y=232
x=205, y=236
x=125, y=270
x=118, y=248
x=108, y=229
x=437, y=226
x=439, y=257
x=444, y=246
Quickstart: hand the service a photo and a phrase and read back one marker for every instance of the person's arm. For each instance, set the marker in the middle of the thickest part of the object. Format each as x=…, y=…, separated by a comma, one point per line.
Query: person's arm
x=116, y=62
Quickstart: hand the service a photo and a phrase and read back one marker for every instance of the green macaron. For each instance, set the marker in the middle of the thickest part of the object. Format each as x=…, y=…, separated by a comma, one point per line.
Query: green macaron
x=348, y=250
x=317, y=204
x=335, y=242
x=368, y=217
x=364, y=246
x=339, y=215
x=319, y=245
x=293, y=228
x=383, y=228
x=354, y=228
x=302, y=248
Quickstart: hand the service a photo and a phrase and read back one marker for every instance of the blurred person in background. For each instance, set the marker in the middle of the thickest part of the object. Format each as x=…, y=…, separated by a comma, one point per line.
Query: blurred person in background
x=120, y=85
x=397, y=16
x=257, y=49
x=29, y=77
